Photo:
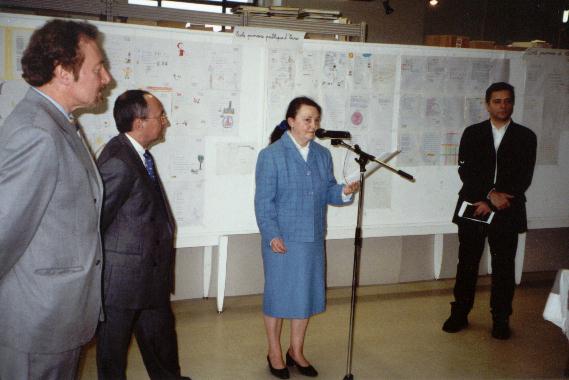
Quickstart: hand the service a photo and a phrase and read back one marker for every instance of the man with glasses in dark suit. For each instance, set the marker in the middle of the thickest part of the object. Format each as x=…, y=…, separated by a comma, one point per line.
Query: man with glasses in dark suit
x=138, y=240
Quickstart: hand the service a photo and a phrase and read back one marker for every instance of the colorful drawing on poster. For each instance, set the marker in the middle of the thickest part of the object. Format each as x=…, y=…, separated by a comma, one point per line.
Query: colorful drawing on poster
x=357, y=118
x=181, y=51
x=227, y=116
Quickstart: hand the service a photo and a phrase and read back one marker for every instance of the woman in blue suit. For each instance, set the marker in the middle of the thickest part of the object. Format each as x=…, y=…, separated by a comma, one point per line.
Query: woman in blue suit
x=294, y=184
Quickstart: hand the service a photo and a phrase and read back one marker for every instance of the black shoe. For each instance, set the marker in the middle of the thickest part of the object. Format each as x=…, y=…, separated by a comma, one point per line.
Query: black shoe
x=501, y=329
x=309, y=370
x=454, y=324
x=281, y=373
x=457, y=321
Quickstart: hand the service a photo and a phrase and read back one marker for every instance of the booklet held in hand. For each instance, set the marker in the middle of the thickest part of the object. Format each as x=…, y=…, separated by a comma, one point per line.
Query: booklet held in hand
x=467, y=211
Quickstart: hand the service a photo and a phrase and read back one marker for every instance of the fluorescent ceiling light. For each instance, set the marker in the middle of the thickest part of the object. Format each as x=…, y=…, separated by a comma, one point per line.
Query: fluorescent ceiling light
x=144, y=2
x=192, y=6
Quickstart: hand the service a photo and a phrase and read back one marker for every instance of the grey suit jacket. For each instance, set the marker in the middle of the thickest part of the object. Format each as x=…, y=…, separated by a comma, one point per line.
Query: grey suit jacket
x=138, y=231
x=50, y=245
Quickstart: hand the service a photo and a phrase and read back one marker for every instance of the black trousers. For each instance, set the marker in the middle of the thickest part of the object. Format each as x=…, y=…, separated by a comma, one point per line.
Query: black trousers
x=155, y=334
x=503, y=240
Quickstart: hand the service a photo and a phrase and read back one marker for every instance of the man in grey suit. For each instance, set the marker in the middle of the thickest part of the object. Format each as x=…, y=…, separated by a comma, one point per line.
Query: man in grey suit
x=51, y=197
x=138, y=236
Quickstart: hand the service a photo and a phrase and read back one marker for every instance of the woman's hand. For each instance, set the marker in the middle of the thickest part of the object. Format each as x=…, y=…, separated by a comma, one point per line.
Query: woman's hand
x=351, y=188
x=278, y=245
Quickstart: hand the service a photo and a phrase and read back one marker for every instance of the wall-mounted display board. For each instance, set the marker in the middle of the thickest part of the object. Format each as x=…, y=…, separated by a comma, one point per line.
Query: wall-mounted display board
x=224, y=93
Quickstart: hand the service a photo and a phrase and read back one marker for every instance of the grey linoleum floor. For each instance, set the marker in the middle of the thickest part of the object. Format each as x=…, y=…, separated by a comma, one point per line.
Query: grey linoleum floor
x=397, y=336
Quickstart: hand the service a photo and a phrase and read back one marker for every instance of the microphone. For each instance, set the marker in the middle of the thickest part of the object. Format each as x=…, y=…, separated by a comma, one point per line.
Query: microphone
x=322, y=134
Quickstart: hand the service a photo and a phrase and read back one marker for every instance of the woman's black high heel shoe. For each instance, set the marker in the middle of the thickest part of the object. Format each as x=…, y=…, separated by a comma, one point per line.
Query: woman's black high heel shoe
x=280, y=373
x=309, y=370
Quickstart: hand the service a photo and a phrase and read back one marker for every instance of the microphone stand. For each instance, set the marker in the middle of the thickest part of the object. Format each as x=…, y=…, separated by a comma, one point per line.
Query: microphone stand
x=363, y=159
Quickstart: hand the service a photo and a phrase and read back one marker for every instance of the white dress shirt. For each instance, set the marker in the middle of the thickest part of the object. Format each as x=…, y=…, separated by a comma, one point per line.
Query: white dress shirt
x=498, y=135
x=139, y=148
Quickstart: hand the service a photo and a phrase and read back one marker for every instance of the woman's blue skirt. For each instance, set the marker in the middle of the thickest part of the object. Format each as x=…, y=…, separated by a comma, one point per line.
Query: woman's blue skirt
x=295, y=280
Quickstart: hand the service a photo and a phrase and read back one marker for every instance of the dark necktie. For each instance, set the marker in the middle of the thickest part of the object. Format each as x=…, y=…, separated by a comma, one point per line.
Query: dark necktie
x=149, y=161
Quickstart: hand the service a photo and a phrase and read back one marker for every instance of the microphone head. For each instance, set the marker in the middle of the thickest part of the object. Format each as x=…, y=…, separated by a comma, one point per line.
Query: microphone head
x=324, y=134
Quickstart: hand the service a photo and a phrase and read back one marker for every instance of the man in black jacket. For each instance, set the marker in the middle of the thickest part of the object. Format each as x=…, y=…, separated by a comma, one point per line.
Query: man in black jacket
x=495, y=163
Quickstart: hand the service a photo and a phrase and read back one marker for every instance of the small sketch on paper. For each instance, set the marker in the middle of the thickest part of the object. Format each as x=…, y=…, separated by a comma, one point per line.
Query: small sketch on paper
x=235, y=158
x=227, y=116
x=229, y=109
x=181, y=51
x=201, y=159
x=357, y=118
x=450, y=148
x=127, y=72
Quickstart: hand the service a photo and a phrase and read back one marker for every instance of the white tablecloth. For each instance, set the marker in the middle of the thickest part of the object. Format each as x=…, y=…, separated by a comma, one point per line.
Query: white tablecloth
x=556, y=308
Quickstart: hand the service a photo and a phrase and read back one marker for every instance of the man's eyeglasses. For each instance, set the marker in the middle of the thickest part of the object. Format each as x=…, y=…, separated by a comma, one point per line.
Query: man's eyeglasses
x=163, y=118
